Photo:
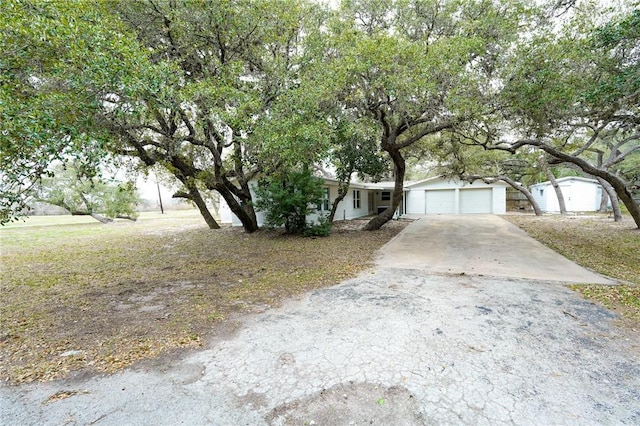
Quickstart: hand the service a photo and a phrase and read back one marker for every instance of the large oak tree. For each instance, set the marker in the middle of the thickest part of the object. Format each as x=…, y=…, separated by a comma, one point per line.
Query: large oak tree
x=416, y=67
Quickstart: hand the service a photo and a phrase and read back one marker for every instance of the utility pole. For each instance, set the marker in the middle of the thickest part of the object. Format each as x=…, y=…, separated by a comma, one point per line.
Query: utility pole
x=159, y=196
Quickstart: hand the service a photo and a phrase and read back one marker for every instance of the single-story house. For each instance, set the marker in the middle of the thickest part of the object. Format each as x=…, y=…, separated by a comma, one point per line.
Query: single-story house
x=452, y=196
x=363, y=199
x=580, y=194
x=428, y=196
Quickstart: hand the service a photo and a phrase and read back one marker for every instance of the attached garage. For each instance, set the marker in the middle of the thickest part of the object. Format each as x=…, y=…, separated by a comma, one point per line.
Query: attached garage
x=445, y=196
x=476, y=200
x=439, y=201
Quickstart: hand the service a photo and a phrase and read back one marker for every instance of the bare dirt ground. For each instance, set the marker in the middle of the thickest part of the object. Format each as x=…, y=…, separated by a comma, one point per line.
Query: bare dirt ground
x=96, y=298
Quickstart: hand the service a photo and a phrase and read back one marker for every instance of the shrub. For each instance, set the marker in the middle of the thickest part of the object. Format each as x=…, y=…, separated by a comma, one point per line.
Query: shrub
x=288, y=198
x=320, y=229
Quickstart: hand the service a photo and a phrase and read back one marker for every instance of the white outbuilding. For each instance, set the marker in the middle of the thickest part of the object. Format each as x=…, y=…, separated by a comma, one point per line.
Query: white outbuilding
x=580, y=194
x=452, y=196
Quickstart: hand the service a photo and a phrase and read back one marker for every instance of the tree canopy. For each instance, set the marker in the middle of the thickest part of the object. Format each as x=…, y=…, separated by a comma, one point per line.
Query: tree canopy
x=103, y=199
x=220, y=94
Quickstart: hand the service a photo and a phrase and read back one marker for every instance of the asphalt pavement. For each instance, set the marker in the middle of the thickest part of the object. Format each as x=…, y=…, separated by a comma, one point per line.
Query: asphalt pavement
x=406, y=343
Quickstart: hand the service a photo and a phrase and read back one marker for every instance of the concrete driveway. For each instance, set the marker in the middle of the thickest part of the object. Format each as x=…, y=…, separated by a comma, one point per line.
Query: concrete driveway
x=479, y=245
x=398, y=345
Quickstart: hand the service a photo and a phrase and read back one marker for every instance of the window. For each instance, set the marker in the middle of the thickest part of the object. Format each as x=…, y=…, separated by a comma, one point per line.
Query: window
x=325, y=200
x=386, y=195
x=356, y=199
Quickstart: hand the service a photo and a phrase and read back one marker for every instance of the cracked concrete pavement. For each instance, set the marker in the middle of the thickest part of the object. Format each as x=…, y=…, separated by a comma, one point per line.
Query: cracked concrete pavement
x=400, y=344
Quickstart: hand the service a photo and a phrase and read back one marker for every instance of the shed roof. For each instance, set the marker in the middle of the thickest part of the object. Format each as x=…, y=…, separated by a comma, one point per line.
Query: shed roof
x=569, y=179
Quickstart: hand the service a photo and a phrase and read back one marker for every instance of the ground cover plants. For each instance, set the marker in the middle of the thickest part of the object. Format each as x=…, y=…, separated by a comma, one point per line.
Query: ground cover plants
x=600, y=244
x=79, y=295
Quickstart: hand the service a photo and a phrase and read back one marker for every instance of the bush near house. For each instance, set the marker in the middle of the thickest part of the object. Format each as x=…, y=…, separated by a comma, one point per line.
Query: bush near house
x=288, y=198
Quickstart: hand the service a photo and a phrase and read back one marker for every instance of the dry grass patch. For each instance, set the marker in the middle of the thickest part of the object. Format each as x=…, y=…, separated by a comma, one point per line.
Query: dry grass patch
x=600, y=244
x=99, y=297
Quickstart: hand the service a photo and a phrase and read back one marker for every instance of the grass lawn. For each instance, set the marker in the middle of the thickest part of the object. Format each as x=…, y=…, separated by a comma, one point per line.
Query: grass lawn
x=77, y=294
x=600, y=244
x=80, y=295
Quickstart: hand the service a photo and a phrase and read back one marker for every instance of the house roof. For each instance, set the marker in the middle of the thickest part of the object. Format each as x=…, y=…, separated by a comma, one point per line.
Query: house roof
x=364, y=185
x=421, y=181
x=389, y=185
x=441, y=179
x=568, y=179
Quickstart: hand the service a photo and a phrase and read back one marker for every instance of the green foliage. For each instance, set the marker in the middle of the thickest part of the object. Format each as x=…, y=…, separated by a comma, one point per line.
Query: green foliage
x=617, y=77
x=81, y=195
x=222, y=92
x=320, y=229
x=184, y=85
x=52, y=54
x=288, y=198
x=121, y=200
x=588, y=73
x=355, y=150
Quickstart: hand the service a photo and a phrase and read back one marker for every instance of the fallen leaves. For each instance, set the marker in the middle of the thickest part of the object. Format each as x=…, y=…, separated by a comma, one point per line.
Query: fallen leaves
x=117, y=294
x=63, y=394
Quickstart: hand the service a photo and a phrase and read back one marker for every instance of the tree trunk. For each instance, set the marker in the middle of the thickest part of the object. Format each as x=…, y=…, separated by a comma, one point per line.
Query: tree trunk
x=604, y=200
x=624, y=194
x=100, y=218
x=247, y=206
x=515, y=185
x=615, y=204
x=399, y=166
x=343, y=190
x=243, y=210
x=556, y=187
x=194, y=195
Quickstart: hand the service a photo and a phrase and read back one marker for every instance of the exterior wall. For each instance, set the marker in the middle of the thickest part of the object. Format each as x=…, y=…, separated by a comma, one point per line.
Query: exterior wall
x=345, y=209
x=583, y=197
x=499, y=200
x=539, y=191
x=371, y=198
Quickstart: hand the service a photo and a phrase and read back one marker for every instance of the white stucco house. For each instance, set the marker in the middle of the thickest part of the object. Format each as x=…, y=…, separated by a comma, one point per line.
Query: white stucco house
x=428, y=196
x=363, y=199
x=580, y=194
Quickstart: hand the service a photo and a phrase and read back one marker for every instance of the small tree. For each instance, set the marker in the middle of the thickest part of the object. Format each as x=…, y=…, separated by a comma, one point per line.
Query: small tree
x=354, y=150
x=288, y=198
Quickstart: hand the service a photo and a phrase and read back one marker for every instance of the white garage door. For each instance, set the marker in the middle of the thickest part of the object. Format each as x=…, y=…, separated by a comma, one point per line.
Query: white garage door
x=440, y=201
x=475, y=200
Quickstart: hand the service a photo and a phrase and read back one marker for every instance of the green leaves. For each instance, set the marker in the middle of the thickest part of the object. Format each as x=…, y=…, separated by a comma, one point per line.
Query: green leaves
x=82, y=193
x=58, y=60
x=288, y=198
